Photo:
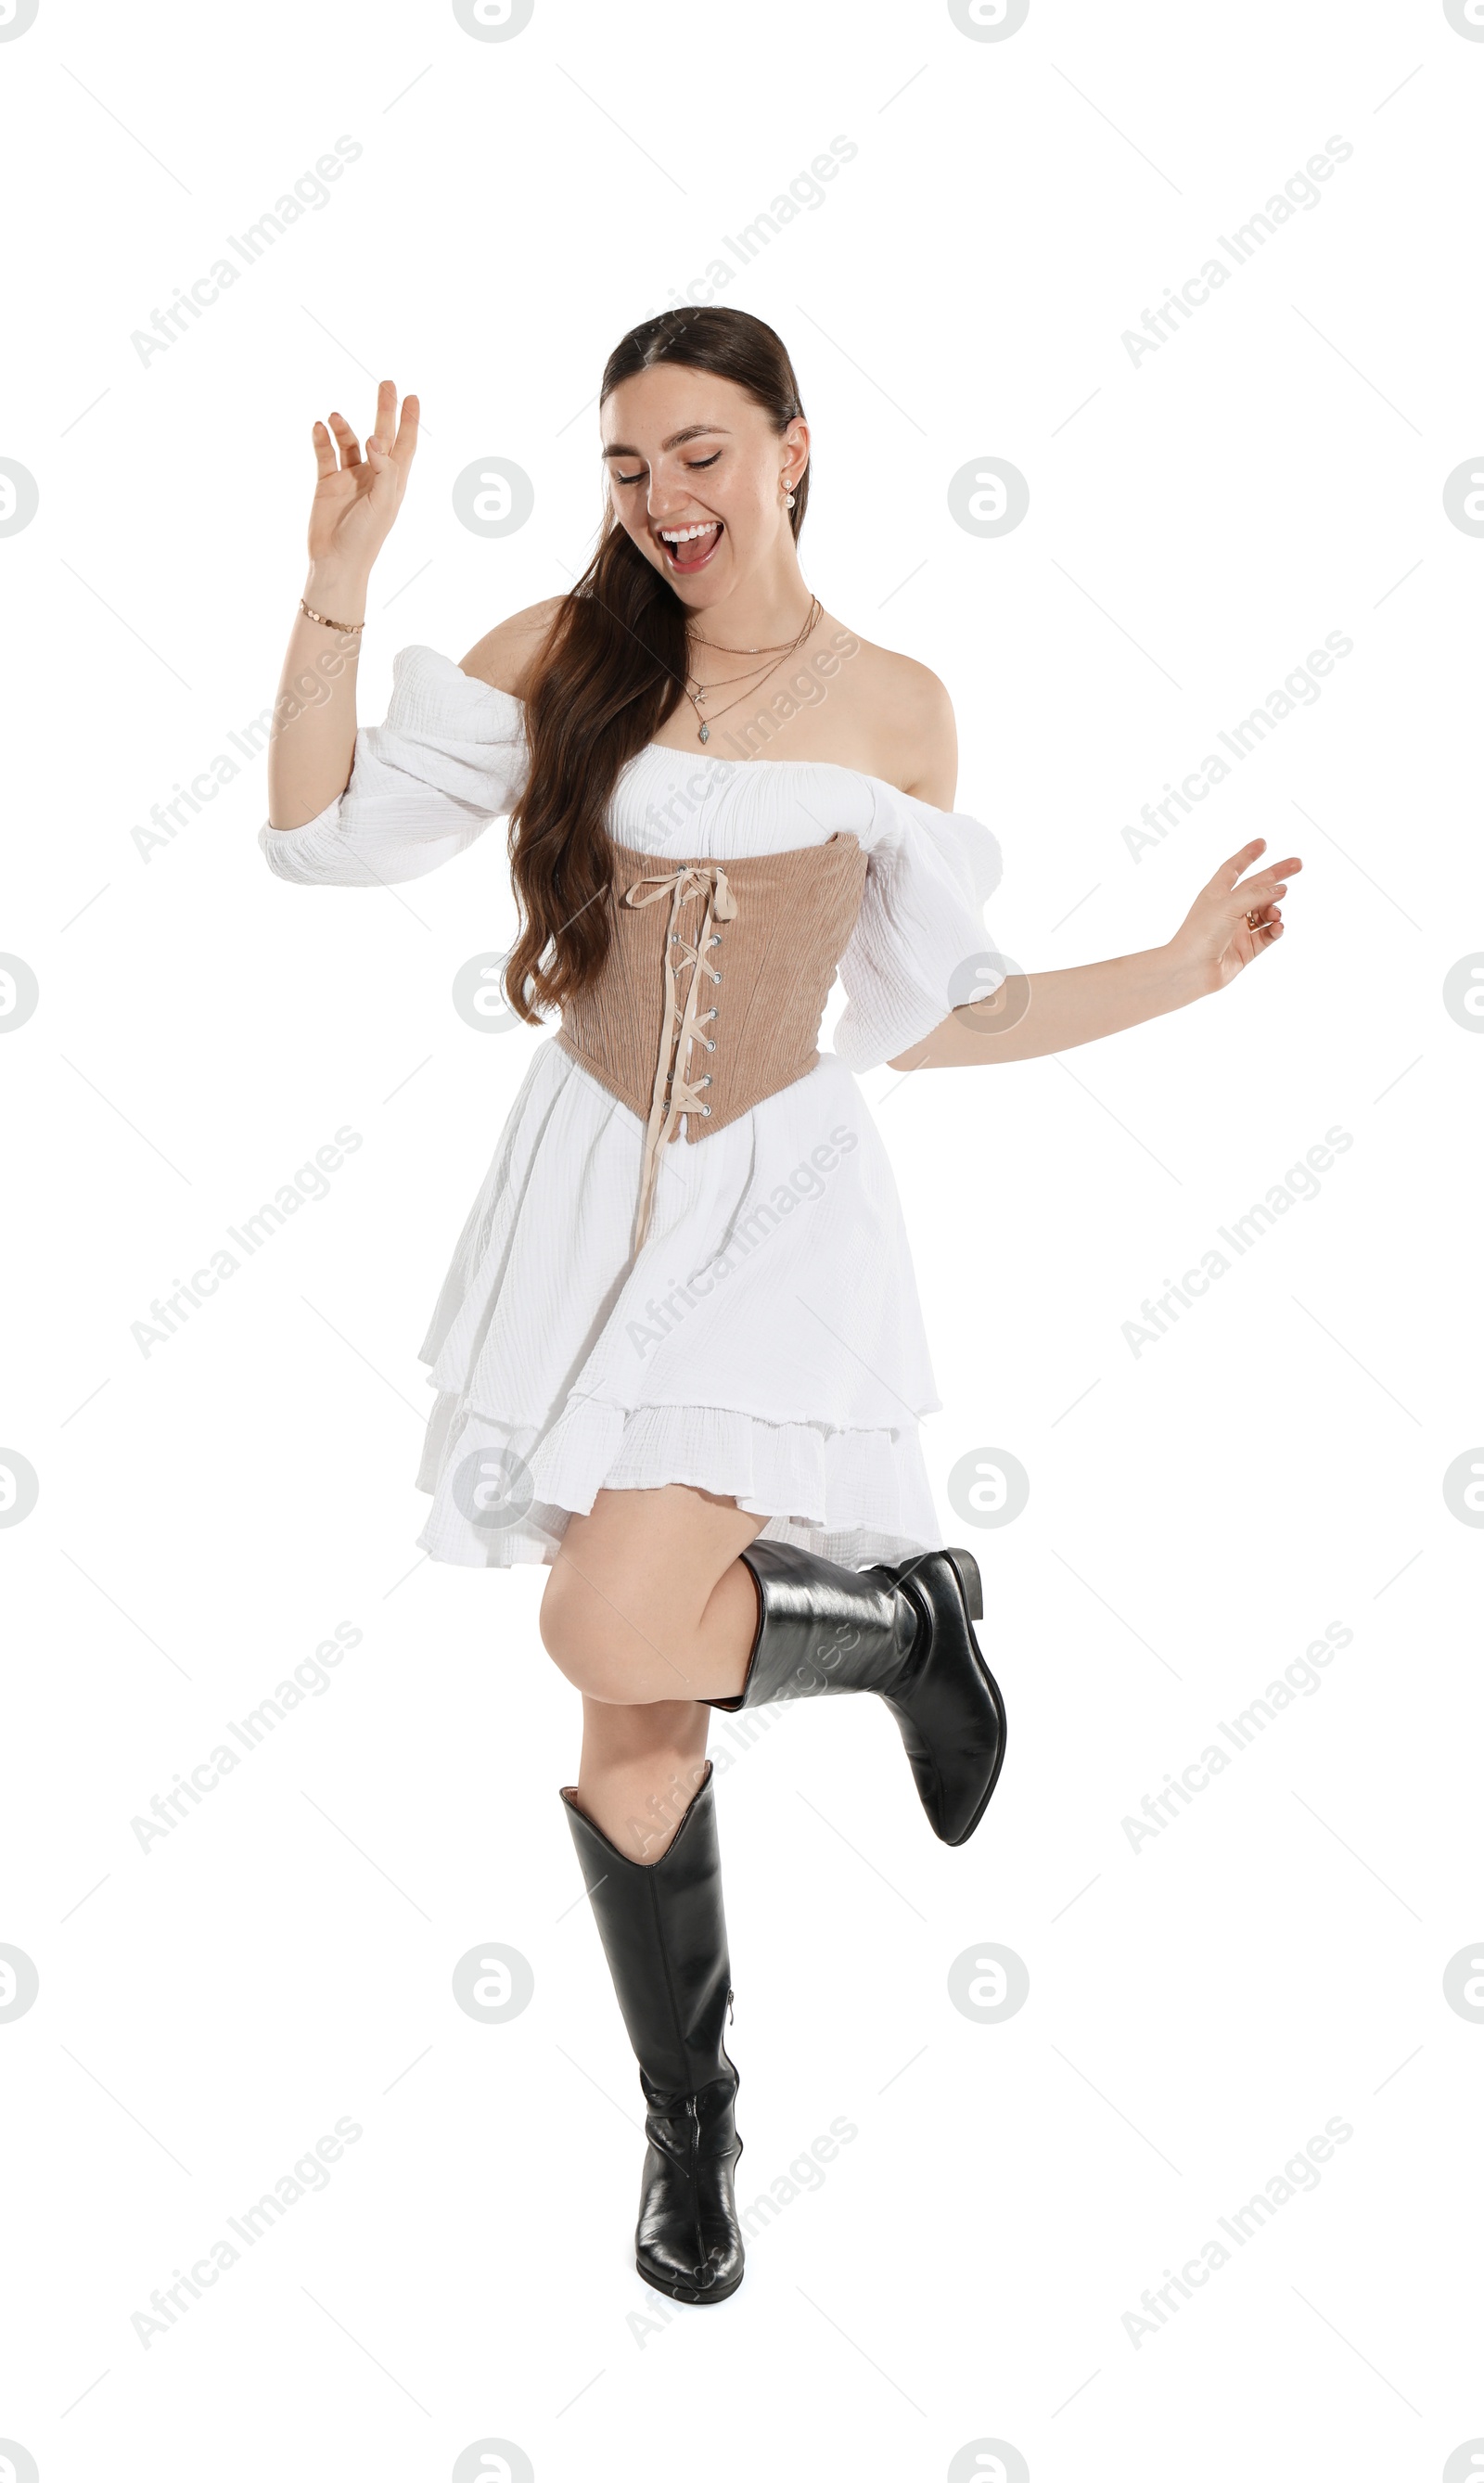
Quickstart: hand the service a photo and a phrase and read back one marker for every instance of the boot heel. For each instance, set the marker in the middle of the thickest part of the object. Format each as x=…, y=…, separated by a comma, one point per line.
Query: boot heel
x=966, y=1570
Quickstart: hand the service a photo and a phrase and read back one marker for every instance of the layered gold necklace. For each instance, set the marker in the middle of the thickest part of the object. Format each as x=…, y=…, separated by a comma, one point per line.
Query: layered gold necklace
x=699, y=693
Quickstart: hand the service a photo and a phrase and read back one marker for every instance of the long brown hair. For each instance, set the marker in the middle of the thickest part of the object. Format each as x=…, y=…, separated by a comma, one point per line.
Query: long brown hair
x=611, y=669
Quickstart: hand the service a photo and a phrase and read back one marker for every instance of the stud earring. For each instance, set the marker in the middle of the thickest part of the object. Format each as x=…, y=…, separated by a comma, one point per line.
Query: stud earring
x=787, y=494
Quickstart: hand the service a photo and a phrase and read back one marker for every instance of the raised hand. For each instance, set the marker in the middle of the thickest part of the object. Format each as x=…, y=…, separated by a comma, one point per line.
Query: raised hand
x=311, y=748
x=357, y=498
x=1216, y=939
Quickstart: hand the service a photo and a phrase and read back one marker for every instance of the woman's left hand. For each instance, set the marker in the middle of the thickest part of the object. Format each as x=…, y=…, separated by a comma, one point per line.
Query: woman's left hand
x=1216, y=940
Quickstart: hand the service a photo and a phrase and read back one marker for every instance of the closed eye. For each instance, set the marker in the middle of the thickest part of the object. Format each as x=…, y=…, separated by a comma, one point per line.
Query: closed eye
x=693, y=466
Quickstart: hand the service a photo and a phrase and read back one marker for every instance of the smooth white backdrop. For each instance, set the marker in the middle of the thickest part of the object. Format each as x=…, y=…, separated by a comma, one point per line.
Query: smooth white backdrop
x=1198, y=1512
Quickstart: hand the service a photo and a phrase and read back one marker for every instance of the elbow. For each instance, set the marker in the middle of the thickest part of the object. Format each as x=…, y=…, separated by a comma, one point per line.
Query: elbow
x=928, y=1052
x=324, y=817
x=966, y=1038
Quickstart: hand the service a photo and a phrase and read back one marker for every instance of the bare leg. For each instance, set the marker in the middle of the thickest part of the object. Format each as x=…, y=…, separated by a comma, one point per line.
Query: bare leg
x=640, y=1768
x=648, y=1599
x=648, y=1610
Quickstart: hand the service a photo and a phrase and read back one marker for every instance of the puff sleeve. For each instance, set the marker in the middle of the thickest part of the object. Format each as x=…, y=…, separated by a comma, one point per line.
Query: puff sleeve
x=450, y=756
x=919, y=947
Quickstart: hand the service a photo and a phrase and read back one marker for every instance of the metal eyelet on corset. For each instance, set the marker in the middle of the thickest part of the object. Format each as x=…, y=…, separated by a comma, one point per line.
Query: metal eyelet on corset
x=706, y=1111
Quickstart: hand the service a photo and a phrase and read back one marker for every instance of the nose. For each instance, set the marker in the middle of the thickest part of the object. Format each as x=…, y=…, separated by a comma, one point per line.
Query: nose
x=667, y=497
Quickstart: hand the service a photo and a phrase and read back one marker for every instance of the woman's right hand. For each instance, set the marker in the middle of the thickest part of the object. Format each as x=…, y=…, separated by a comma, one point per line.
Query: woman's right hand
x=357, y=500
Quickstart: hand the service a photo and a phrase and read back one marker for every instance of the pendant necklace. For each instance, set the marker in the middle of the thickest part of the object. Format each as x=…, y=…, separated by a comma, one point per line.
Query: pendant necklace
x=697, y=696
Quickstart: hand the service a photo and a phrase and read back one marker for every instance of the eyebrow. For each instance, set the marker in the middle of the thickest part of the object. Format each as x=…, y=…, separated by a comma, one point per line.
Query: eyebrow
x=676, y=438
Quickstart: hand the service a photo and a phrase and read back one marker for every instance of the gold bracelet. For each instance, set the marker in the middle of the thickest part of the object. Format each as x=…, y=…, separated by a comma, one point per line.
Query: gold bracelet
x=351, y=628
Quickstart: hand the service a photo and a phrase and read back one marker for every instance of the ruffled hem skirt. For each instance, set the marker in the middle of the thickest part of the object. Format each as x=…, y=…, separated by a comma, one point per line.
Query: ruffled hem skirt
x=766, y=1344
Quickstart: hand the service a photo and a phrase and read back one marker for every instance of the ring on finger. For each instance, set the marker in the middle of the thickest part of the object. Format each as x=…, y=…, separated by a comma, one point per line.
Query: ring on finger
x=1253, y=921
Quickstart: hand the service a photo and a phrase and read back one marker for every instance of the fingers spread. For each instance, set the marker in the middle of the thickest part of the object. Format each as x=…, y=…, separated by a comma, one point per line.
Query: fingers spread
x=1228, y=872
x=1267, y=882
x=386, y=414
x=405, y=441
x=346, y=441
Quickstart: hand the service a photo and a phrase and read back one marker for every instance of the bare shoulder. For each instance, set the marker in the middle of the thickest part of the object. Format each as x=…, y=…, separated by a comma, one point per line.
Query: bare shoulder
x=911, y=723
x=504, y=656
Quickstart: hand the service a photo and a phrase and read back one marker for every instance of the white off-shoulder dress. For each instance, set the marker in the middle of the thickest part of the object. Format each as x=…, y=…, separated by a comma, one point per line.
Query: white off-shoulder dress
x=767, y=1340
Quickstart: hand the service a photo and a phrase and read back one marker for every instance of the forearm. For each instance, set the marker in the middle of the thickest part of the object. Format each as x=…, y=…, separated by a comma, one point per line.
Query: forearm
x=311, y=744
x=1031, y=1015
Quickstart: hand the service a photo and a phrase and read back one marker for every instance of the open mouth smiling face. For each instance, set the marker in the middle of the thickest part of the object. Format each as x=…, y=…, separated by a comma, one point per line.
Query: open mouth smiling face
x=693, y=465
x=688, y=548
x=657, y=488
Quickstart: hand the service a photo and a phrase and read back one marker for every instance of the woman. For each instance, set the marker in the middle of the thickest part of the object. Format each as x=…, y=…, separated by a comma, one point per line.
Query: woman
x=678, y=1355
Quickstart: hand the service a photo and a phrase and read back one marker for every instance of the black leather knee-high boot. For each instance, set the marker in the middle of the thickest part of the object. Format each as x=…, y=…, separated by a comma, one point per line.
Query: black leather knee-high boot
x=904, y=1632
x=664, y=1933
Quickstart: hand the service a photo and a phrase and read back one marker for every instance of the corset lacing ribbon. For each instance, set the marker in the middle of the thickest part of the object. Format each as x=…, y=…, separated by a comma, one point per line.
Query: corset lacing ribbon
x=674, y=1092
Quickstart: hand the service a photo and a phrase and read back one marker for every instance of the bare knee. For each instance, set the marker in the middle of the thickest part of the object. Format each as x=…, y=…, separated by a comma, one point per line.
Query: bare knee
x=631, y=1591
x=601, y=1635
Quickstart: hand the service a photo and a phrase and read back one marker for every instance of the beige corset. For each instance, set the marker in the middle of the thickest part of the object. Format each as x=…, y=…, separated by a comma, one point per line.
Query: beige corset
x=739, y=963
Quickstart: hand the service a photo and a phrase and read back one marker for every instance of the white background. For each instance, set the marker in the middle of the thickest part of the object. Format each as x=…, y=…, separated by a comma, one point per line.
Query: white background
x=1198, y=1513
